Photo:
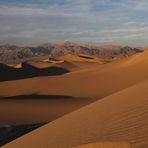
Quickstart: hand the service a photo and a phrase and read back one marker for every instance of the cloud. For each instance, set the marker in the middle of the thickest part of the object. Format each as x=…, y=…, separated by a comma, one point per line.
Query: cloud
x=34, y=21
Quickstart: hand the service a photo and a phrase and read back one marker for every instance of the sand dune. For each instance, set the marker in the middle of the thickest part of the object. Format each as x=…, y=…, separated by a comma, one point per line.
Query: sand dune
x=31, y=109
x=28, y=70
x=79, y=62
x=105, y=145
x=38, y=67
x=95, y=82
x=18, y=65
x=72, y=60
x=79, y=58
x=121, y=117
x=49, y=63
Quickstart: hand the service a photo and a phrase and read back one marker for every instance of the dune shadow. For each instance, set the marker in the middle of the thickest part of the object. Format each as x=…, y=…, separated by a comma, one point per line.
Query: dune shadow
x=37, y=97
x=8, y=73
x=9, y=133
x=105, y=144
x=86, y=57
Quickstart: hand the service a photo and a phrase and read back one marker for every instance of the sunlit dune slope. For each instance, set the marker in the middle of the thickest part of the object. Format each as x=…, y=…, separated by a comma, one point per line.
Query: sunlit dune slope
x=120, y=117
x=95, y=82
x=79, y=58
x=46, y=67
x=70, y=62
x=105, y=145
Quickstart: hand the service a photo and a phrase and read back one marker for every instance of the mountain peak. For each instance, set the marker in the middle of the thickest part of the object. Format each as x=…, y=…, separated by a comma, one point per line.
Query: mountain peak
x=69, y=43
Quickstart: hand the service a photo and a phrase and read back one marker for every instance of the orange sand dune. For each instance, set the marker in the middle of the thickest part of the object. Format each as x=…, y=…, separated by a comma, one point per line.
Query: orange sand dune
x=105, y=145
x=71, y=62
x=84, y=86
x=64, y=63
x=96, y=82
x=28, y=110
x=79, y=58
x=120, y=117
x=19, y=65
x=42, y=64
x=78, y=62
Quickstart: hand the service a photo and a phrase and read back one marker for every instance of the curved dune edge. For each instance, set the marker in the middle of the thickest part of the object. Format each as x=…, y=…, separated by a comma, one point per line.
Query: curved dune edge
x=96, y=82
x=105, y=145
x=79, y=58
x=122, y=116
x=115, y=118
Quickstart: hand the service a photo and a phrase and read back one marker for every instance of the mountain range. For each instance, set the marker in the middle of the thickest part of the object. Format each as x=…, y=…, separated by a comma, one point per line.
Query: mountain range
x=16, y=54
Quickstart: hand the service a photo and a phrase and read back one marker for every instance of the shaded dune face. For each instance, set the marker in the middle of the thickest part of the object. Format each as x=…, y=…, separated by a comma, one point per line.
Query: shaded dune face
x=34, y=68
x=79, y=58
x=28, y=71
x=53, y=70
x=36, y=97
x=36, y=108
x=22, y=114
x=11, y=132
x=84, y=56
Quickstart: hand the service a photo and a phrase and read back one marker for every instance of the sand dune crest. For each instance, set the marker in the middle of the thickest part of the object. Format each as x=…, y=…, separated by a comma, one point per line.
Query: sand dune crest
x=105, y=145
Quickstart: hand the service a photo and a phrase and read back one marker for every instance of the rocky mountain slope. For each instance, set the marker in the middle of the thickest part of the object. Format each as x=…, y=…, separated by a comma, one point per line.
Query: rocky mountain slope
x=15, y=54
x=99, y=51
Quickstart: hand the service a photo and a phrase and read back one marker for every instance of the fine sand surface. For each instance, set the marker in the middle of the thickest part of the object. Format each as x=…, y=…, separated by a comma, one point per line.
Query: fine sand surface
x=51, y=67
x=118, y=114
x=83, y=86
x=32, y=108
x=26, y=110
x=105, y=145
x=121, y=118
x=93, y=82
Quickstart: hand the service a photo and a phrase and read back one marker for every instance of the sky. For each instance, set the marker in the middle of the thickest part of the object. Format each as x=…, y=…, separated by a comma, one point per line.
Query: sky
x=32, y=22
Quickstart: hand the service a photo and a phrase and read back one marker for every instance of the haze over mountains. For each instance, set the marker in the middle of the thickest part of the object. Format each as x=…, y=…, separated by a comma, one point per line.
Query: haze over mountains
x=15, y=54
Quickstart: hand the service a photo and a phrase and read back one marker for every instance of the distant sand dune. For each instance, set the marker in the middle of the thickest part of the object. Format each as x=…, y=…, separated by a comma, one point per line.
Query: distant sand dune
x=34, y=68
x=96, y=82
x=79, y=58
x=28, y=71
